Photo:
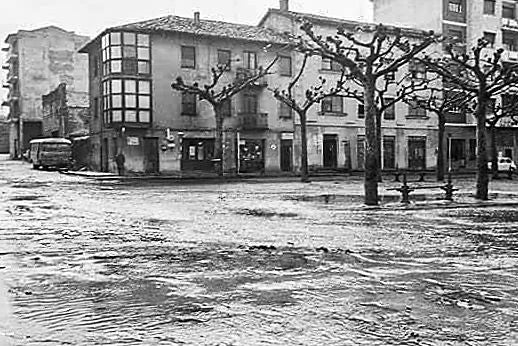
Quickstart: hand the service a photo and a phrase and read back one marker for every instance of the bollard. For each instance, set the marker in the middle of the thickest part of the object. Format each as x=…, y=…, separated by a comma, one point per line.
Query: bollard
x=448, y=188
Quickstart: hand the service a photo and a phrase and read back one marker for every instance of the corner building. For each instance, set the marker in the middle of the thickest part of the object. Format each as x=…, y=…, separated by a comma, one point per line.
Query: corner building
x=160, y=130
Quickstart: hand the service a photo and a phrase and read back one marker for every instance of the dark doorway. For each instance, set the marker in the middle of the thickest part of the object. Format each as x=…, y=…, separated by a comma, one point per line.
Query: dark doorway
x=197, y=154
x=105, y=153
x=151, y=155
x=417, y=153
x=31, y=130
x=286, y=155
x=330, y=151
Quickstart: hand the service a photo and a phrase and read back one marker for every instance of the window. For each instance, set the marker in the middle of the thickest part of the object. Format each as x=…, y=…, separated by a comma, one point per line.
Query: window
x=126, y=100
x=126, y=53
x=250, y=60
x=332, y=104
x=490, y=37
x=224, y=58
x=489, y=7
x=285, y=65
x=417, y=69
x=508, y=10
x=415, y=110
x=188, y=57
x=330, y=65
x=285, y=111
x=189, y=104
x=250, y=103
x=361, y=111
x=455, y=6
x=456, y=36
x=390, y=112
x=226, y=108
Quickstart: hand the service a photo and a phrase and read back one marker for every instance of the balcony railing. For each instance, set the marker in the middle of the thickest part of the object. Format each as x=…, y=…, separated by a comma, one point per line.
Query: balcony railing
x=510, y=24
x=253, y=121
x=243, y=74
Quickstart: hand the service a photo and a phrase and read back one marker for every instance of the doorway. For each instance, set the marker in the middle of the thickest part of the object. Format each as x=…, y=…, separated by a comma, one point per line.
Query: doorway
x=417, y=153
x=330, y=151
x=151, y=155
x=286, y=155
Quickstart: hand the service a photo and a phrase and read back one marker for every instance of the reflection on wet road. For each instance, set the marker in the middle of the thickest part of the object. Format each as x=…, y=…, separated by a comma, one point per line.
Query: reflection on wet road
x=87, y=263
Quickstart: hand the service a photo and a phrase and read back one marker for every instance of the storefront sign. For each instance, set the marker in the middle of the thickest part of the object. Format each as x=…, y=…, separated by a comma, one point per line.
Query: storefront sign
x=287, y=135
x=133, y=141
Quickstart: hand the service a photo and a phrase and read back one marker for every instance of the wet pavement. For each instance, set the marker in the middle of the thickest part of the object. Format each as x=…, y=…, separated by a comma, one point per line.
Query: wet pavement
x=84, y=262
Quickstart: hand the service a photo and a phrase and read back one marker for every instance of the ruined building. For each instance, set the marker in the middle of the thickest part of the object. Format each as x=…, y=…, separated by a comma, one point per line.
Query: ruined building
x=37, y=62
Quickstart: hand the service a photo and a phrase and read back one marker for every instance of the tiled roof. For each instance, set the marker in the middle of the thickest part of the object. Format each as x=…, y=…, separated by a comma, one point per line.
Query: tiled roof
x=206, y=28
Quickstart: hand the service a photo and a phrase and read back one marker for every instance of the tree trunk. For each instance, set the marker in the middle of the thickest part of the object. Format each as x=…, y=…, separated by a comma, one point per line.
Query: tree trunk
x=378, y=145
x=440, y=148
x=371, y=155
x=482, y=171
x=304, y=174
x=218, y=145
x=494, y=154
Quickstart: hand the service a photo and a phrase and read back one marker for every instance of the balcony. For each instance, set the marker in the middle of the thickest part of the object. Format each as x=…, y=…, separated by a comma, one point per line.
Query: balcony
x=243, y=74
x=509, y=24
x=253, y=121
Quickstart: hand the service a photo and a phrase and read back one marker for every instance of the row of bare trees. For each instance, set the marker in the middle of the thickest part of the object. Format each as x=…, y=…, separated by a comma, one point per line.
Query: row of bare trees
x=376, y=71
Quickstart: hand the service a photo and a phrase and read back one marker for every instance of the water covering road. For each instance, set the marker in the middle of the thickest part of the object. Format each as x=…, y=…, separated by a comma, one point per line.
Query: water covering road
x=89, y=263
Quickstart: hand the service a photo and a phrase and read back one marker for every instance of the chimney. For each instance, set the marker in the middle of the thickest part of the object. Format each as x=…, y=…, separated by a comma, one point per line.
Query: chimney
x=196, y=17
x=284, y=5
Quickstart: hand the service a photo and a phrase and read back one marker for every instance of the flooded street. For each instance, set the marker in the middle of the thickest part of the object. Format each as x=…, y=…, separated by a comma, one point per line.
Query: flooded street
x=102, y=263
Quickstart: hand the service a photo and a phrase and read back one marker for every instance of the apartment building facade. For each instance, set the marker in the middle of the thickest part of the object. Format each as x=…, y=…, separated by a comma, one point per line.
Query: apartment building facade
x=37, y=62
x=336, y=127
x=467, y=20
x=159, y=130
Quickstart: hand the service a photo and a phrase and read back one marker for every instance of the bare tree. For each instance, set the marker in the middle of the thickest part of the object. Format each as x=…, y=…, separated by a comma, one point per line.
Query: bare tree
x=484, y=76
x=312, y=96
x=217, y=96
x=390, y=91
x=500, y=114
x=382, y=52
x=441, y=102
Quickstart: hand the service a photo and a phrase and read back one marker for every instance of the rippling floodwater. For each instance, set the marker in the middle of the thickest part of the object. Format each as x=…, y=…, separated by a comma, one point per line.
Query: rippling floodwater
x=85, y=263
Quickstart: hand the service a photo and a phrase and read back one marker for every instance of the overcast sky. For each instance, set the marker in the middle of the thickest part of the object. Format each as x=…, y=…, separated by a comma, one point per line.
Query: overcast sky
x=90, y=17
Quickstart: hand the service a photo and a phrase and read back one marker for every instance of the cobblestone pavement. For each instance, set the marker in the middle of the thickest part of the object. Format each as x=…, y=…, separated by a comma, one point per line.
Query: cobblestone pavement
x=252, y=263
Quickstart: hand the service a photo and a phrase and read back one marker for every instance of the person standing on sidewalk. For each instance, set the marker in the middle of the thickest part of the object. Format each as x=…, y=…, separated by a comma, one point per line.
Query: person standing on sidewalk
x=120, y=160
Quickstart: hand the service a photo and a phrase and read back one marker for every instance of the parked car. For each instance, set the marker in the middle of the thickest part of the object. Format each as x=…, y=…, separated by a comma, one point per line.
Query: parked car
x=50, y=152
x=504, y=164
